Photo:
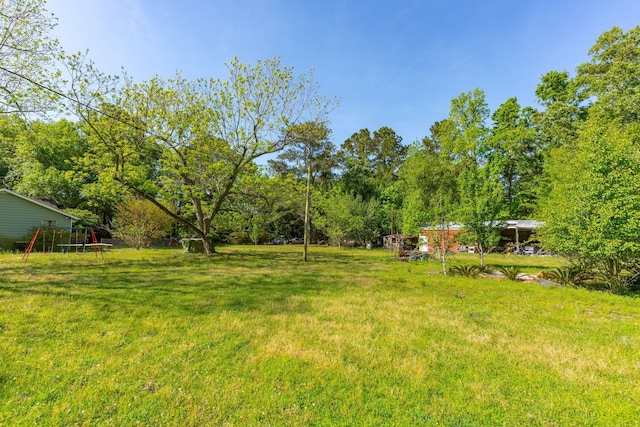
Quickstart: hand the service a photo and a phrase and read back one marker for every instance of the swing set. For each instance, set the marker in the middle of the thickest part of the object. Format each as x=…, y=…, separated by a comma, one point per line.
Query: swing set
x=65, y=247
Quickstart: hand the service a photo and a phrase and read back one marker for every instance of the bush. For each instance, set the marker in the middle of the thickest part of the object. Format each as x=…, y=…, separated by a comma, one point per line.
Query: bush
x=139, y=222
x=572, y=275
x=465, y=270
x=613, y=275
x=510, y=272
x=485, y=268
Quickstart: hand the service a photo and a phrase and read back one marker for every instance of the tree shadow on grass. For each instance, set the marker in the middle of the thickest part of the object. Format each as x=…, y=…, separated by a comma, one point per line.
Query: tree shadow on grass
x=235, y=279
x=164, y=288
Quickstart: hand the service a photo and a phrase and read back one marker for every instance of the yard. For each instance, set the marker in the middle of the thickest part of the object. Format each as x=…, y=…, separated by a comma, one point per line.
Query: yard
x=253, y=336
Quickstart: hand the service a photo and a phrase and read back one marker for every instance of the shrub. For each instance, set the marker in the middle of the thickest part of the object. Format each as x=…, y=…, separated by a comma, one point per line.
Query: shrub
x=572, y=275
x=613, y=275
x=465, y=270
x=485, y=268
x=139, y=222
x=511, y=272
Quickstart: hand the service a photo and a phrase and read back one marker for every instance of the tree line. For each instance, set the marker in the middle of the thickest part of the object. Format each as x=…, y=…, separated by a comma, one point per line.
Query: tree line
x=193, y=149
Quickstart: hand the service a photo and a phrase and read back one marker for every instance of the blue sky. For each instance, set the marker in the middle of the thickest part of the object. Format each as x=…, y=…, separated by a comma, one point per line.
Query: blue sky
x=390, y=63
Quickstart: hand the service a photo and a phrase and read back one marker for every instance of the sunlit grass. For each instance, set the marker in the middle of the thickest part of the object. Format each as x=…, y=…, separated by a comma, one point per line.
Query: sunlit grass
x=253, y=336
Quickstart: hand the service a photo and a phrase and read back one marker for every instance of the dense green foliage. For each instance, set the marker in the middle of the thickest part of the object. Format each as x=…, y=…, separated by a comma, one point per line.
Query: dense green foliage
x=193, y=148
x=252, y=337
x=592, y=210
x=139, y=222
x=191, y=143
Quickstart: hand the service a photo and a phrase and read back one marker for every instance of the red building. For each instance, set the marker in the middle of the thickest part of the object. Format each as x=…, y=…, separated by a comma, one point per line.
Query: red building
x=518, y=234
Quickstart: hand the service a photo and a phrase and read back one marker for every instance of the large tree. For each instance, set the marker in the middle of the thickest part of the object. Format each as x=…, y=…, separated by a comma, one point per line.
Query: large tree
x=187, y=143
x=47, y=165
x=11, y=127
x=334, y=214
x=464, y=138
x=370, y=162
x=27, y=53
x=313, y=152
x=591, y=209
x=558, y=124
x=515, y=152
x=265, y=208
x=481, y=193
x=56, y=161
x=612, y=77
x=425, y=174
x=389, y=154
x=312, y=148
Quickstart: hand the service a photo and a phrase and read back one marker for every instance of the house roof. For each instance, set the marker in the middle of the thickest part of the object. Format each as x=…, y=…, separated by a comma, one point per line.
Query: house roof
x=512, y=224
x=524, y=224
x=452, y=226
x=39, y=203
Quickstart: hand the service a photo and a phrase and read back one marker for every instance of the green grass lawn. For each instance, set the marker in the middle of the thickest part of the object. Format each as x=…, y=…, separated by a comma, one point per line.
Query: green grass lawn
x=253, y=336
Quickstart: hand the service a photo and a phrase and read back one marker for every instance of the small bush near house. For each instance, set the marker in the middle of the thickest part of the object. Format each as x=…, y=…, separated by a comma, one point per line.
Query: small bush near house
x=139, y=222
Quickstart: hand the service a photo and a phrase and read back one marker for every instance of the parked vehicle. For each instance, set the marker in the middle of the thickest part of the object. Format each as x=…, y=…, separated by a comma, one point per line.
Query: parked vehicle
x=279, y=241
x=296, y=241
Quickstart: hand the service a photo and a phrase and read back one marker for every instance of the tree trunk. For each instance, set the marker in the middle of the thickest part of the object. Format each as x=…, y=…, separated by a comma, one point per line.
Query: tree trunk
x=443, y=246
x=443, y=261
x=207, y=245
x=306, y=214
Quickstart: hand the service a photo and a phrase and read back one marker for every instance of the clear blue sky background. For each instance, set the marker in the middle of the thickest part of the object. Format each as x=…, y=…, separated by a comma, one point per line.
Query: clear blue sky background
x=390, y=63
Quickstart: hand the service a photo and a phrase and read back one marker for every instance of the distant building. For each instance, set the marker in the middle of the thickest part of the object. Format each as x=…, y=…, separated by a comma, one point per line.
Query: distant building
x=518, y=232
x=445, y=237
x=514, y=234
x=20, y=215
x=399, y=242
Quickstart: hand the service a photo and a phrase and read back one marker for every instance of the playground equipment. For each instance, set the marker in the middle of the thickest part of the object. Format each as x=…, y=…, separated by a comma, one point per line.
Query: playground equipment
x=25, y=257
x=82, y=234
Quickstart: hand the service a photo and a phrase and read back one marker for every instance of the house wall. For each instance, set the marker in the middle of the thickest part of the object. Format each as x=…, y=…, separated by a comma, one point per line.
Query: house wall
x=507, y=235
x=429, y=237
x=18, y=217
